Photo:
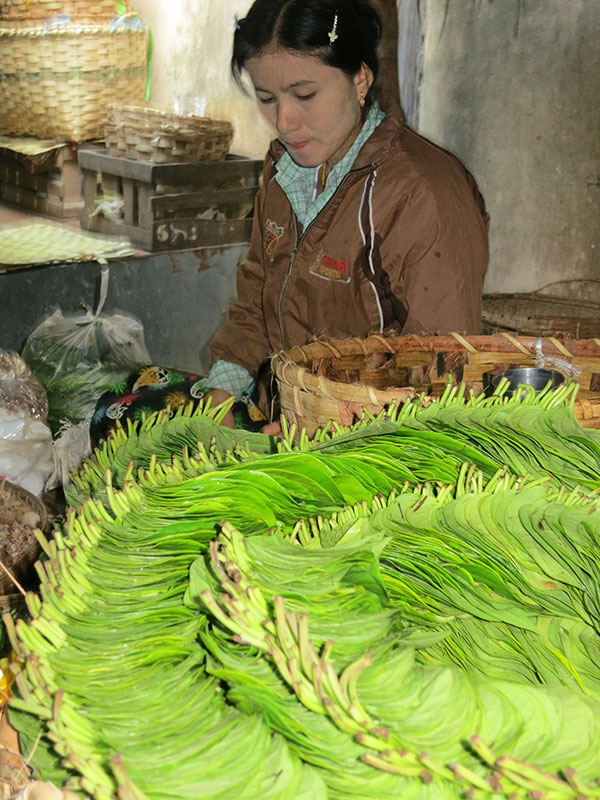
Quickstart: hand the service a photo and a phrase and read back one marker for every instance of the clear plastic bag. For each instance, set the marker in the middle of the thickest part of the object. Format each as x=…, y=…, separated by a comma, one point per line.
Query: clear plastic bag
x=77, y=357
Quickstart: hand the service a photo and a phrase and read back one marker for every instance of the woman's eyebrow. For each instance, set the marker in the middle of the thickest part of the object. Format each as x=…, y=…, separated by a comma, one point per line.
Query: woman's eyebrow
x=286, y=88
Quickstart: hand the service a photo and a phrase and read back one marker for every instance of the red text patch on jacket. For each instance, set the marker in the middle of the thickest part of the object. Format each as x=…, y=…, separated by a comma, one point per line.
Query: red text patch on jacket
x=330, y=268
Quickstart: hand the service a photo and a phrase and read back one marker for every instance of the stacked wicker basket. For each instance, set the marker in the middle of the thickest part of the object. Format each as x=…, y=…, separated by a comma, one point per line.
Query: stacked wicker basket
x=64, y=63
x=148, y=134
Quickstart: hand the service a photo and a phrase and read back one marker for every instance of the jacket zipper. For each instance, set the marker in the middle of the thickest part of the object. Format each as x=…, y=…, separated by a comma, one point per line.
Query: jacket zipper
x=299, y=242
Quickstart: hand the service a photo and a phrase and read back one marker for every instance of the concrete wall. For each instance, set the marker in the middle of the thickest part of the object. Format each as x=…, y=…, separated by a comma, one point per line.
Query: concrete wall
x=190, y=64
x=513, y=88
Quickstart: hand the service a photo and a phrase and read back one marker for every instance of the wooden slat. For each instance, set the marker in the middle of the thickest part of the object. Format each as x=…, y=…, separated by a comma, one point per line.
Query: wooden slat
x=130, y=202
x=89, y=188
x=230, y=169
x=145, y=171
x=145, y=193
x=111, y=187
x=96, y=159
x=180, y=234
x=209, y=197
x=99, y=224
x=50, y=205
x=70, y=178
x=40, y=182
x=190, y=234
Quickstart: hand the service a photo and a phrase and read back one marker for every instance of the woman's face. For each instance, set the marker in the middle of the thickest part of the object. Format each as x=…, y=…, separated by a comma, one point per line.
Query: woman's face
x=314, y=108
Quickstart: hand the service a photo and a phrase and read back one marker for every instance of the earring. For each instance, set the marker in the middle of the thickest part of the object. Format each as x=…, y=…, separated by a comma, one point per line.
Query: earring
x=361, y=101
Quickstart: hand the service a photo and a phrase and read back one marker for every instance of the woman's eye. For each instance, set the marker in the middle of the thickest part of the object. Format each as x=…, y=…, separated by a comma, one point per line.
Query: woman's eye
x=264, y=100
x=304, y=97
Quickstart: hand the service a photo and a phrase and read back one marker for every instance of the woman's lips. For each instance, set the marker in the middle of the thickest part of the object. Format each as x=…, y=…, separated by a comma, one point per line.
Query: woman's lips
x=298, y=145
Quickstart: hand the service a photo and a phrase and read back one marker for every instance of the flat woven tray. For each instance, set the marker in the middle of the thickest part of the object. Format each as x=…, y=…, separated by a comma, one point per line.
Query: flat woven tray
x=50, y=244
x=147, y=134
x=536, y=314
x=338, y=380
x=57, y=78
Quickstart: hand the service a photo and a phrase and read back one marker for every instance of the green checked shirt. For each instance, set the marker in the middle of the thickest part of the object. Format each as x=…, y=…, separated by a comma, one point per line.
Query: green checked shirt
x=298, y=184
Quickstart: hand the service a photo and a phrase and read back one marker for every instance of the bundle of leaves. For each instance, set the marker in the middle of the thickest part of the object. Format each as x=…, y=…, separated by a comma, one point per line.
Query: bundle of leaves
x=389, y=612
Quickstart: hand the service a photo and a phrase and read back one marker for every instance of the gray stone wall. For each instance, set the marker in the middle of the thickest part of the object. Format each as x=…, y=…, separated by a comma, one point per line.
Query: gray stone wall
x=512, y=87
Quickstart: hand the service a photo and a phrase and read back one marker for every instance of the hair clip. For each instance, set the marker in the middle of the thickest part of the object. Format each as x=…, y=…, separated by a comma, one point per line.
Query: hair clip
x=237, y=22
x=333, y=32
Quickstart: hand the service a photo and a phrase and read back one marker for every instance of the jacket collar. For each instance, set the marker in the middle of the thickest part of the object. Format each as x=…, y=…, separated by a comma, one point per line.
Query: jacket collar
x=374, y=151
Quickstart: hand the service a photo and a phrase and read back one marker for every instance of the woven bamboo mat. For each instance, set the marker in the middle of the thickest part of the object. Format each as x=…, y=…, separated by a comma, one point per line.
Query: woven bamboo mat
x=39, y=243
x=29, y=145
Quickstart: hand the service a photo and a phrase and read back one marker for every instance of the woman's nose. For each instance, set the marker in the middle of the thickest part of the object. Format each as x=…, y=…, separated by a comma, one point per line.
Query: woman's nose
x=287, y=117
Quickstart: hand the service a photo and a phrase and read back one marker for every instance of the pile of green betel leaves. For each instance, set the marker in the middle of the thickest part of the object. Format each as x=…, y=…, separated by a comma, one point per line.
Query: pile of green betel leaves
x=406, y=609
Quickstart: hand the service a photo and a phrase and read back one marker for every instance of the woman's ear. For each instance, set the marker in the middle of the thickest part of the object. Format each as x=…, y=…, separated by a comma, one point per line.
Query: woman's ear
x=363, y=80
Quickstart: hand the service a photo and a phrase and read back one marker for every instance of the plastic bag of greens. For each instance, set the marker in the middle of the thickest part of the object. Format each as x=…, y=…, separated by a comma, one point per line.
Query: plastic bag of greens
x=77, y=357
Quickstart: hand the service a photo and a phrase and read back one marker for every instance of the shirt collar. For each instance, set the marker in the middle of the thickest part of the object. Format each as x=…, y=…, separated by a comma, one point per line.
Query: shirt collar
x=298, y=182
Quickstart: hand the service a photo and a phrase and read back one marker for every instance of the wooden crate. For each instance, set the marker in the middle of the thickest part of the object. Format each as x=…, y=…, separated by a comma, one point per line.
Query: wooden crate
x=168, y=206
x=51, y=186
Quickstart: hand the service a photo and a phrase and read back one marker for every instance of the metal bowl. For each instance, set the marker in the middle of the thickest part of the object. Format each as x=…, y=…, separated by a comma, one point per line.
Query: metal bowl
x=536, y=378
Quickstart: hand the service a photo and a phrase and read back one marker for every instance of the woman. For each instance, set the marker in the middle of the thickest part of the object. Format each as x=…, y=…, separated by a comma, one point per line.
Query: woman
x=360, y=225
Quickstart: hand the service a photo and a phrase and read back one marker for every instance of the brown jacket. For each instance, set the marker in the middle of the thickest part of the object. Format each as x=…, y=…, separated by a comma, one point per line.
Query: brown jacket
x=401, y=247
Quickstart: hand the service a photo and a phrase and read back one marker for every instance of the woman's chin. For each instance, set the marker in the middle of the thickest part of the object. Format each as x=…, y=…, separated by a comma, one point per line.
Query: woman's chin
x=304, y=157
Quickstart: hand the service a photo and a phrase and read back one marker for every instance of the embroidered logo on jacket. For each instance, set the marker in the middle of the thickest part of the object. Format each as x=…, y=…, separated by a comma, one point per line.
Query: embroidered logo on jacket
x=332, y=269
x=273, y=233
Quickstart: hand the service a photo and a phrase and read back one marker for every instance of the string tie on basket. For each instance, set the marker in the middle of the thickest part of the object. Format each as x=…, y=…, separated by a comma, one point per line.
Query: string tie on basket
x=131, y=21
x=562, y=364
x=56, y=21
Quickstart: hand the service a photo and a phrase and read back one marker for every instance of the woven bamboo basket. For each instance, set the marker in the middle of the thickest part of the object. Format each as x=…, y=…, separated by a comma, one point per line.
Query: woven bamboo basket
x=29, y=554
x=148, y=134
x=535, y=314
x=57, y=80
x=46, y=9
x=339, y=380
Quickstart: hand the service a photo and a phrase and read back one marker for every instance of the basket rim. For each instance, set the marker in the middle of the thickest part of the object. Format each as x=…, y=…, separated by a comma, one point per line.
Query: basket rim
x=33, y=28
x=503, y=342
x=289, y=368
x=150, y=113
x=28, y=497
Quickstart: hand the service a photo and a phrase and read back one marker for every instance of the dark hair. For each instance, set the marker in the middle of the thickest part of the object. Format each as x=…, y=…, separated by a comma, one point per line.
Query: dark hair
x=304, y=26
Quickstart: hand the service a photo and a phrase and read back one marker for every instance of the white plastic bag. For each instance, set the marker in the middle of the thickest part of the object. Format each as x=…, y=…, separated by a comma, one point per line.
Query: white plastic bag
x=80, y=356
x=70, y=448
x=26, y=456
